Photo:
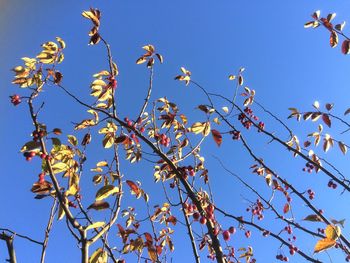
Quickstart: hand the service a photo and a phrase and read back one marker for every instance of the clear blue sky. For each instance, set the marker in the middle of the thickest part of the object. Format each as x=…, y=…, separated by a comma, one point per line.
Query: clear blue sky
x=286, y=64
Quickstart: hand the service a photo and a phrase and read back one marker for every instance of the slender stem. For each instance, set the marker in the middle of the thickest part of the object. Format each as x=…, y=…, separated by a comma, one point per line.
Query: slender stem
x=189, y=229
x=48, y=229
x=148, y=93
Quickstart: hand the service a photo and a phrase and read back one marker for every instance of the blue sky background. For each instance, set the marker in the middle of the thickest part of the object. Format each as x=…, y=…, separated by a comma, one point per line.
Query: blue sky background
x=286, y=64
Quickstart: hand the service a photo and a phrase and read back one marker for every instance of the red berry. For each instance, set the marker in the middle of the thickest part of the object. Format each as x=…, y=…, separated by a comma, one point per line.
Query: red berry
x=226, y=235
x=196, y=216
x=203, y=220
x=232, y=230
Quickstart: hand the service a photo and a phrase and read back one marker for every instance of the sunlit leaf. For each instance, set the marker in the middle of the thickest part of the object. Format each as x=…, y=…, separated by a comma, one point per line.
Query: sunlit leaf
x=95, y=225
x=106, y=191
x=324, y=244
x=99, y=256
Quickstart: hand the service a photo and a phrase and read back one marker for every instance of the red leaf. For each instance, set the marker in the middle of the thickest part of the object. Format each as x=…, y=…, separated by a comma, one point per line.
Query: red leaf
x=286, y=208
x=134, y=187
x=148, y=237
x=326, y=120
x=333, y=40
x=345, y=47
x=217, y=137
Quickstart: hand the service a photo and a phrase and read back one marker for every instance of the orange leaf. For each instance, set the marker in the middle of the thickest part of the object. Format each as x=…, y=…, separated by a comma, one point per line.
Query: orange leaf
x=324, y=244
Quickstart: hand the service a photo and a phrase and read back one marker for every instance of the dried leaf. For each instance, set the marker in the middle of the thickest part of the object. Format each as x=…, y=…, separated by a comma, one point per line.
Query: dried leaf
x=326, y=120
x=217, y=137
x=313, y=218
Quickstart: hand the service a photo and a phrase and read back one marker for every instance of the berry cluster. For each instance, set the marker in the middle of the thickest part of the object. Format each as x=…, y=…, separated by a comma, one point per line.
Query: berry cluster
x=331, y=184
x=311, y=194
x=163, y=139
x=15, y=99
x=292, y=249
x=308, y=167
x=257, y=209
x=245, y=122
x=37, y=135
x=288, y=229
x=282, y=258
x=29, y=155
x=236, y=135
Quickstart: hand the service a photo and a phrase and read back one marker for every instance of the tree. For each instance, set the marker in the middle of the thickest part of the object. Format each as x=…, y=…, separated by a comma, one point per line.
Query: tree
x=103, y=215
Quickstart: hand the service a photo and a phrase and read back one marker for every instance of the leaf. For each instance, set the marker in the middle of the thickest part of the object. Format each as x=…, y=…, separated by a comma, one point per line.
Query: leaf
x=102, y=164
x=345, y=47
x=141, y=60
x=326, y=120
x=313, y=218
x=197, y=127
x=332, y=232
x=340, y=222
x=342, y=147
x=61, y=42
x=347, y=111
x=72, y=140
x=231, y=77
x=217, y=137
x=333, y=40
x=316, y=105
x=59, y=167
x=152, y=253
x=286, y=208
x=330, y=17
x=108, y=140
x=95, y=225
x=329, y=106
x=134, y=188
x=106, y=191
x=240, y=80
x=316, y=14
x=324, y=244
x=29, y=146
x=225, y=109
x=99, y=256
x=99, y=205
x=341, y=26
x=160, y=58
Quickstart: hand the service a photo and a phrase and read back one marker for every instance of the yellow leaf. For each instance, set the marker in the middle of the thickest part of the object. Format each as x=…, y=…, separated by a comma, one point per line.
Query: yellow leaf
x=59, y=167
x=99, y=256
x=106, y=191
x=61, y=42
x=225, y=109
x=102, y=163
x=198, y=127
x=332, y=232
x=324, y=244
x=95, y=225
